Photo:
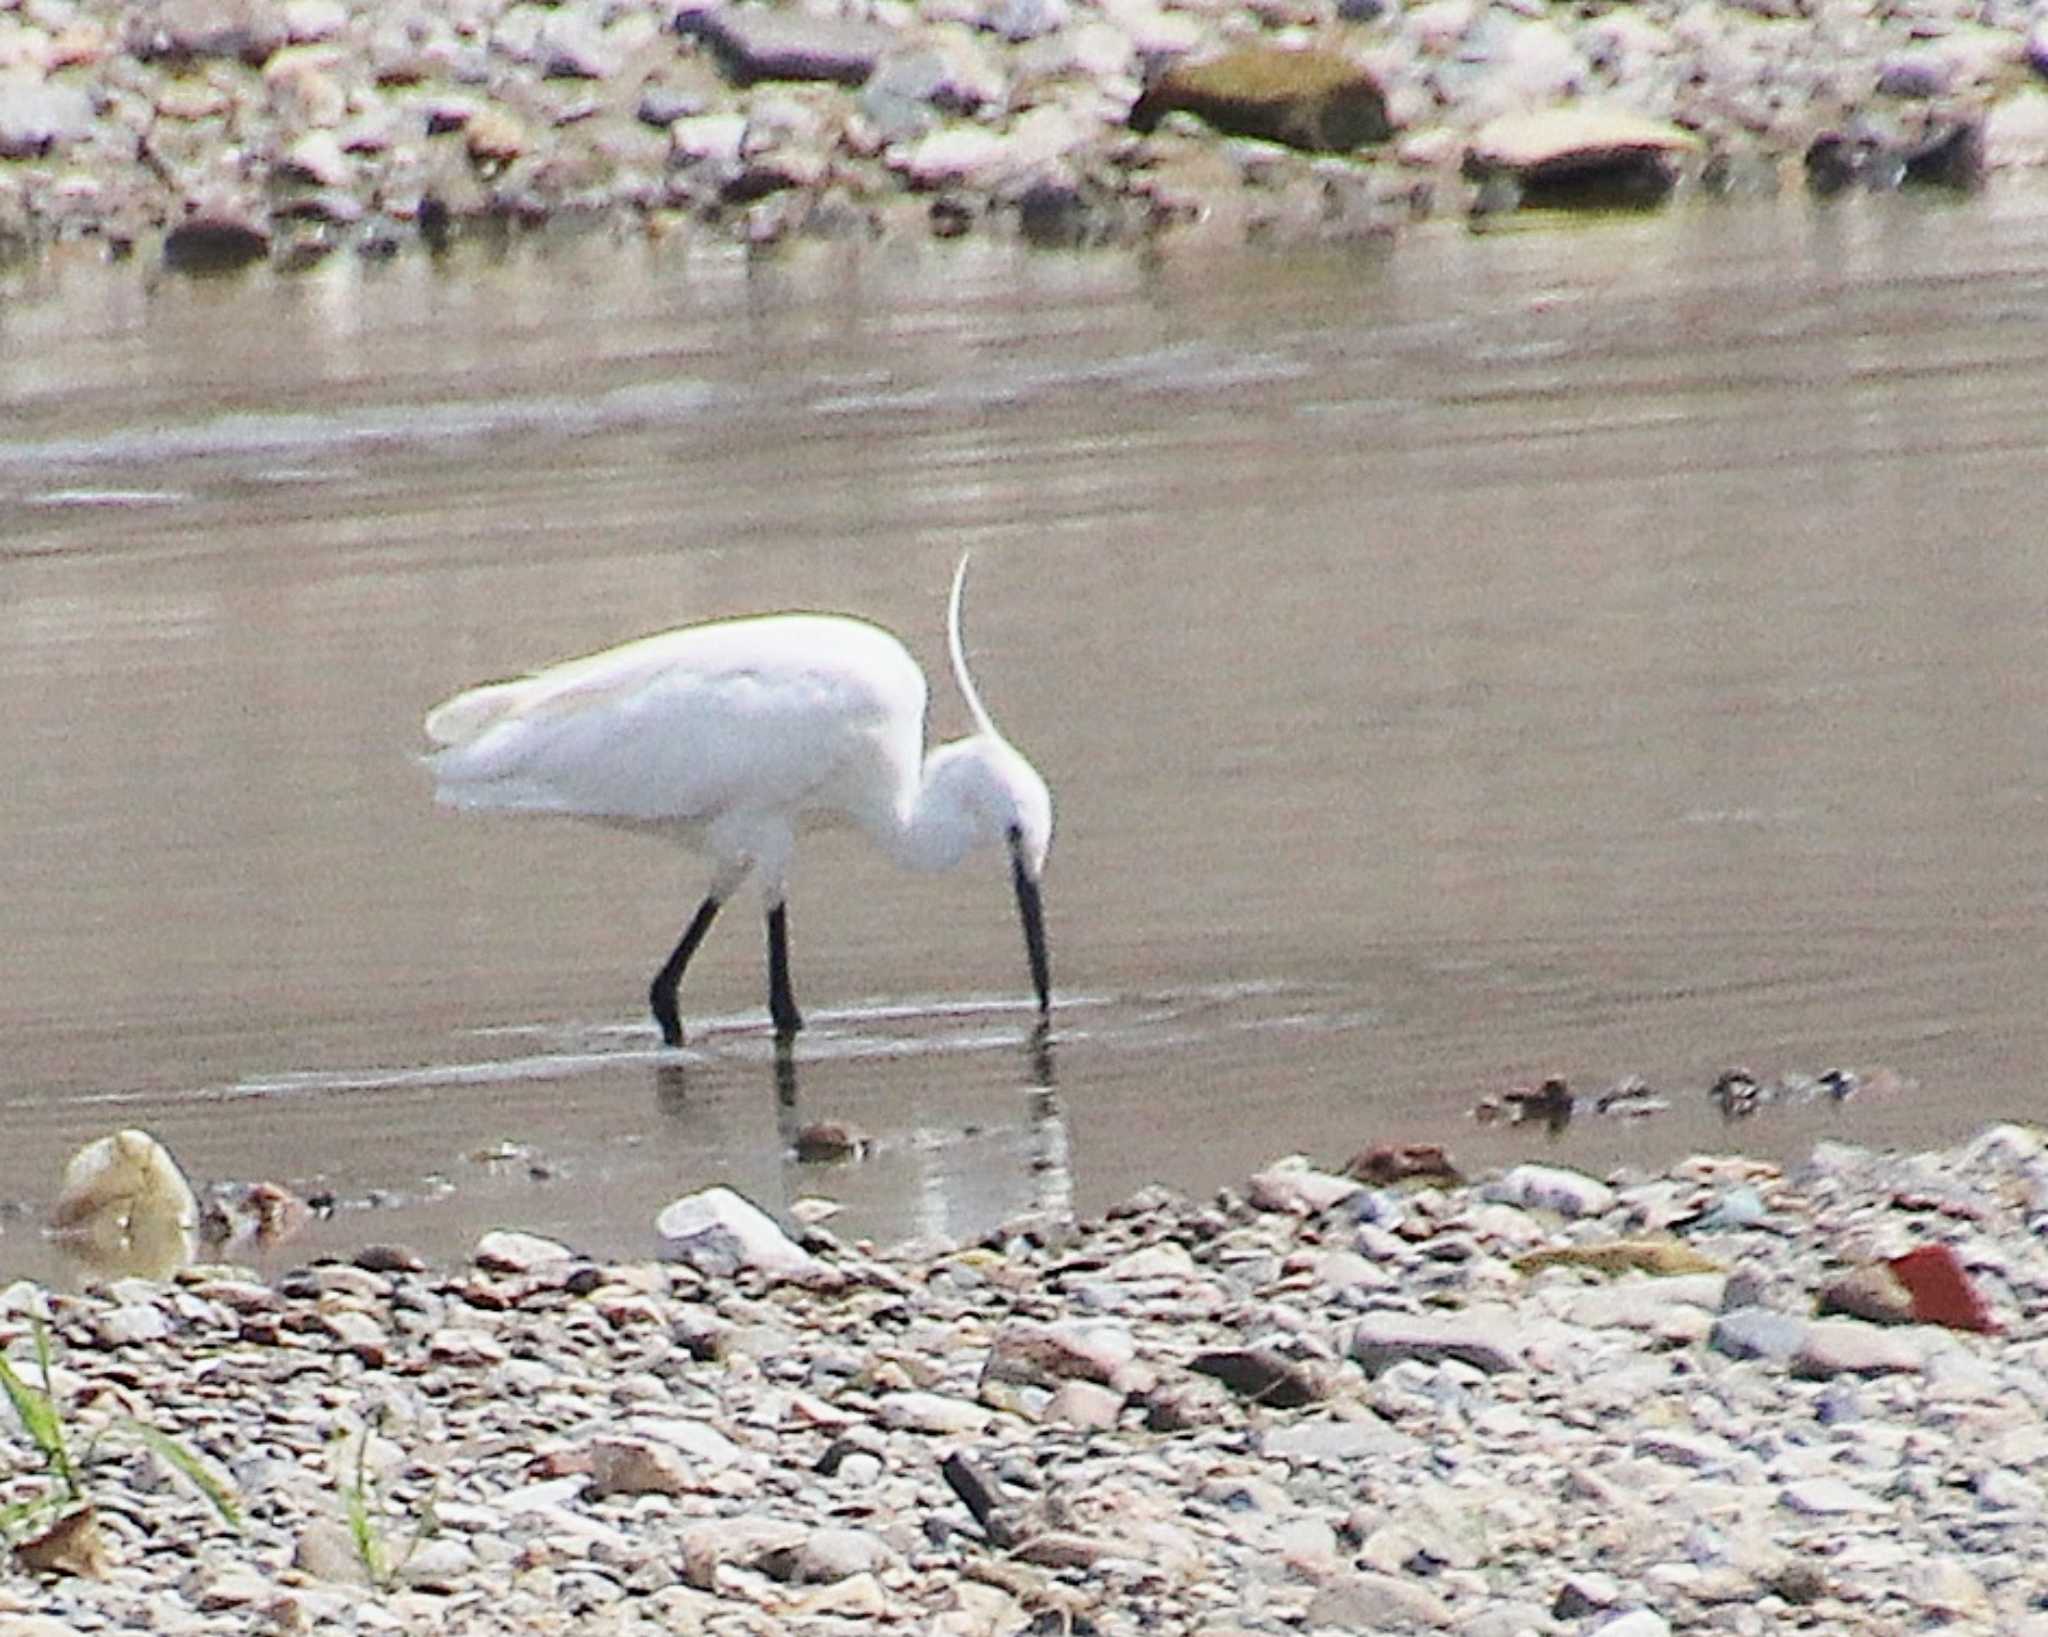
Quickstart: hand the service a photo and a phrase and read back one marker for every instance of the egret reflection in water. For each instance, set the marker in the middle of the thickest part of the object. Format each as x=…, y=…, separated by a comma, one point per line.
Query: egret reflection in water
x=1029, y=1124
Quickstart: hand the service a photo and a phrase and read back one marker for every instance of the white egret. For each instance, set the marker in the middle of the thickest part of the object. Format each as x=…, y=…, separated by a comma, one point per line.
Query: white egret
x=732, y=735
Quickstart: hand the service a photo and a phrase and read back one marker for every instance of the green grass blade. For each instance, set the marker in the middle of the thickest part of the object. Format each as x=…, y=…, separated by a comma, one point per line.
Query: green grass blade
x=23, y=1517
x=59, y=1455
x=177, y=1456
x=44, y=1428
x=362, y=1528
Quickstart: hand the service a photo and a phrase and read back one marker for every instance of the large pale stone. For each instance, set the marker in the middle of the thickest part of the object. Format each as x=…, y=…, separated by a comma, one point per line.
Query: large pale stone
x=717, y=1231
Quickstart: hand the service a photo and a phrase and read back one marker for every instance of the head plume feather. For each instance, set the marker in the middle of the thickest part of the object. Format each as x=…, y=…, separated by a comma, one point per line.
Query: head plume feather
x=958, y=649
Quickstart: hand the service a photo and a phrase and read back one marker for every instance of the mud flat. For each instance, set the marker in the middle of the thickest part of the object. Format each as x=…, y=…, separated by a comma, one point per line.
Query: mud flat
x=218, y=132
x=1724, y=1398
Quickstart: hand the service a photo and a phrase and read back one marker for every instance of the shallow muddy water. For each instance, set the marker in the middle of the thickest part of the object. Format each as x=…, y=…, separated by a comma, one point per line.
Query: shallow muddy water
x=1611, y=650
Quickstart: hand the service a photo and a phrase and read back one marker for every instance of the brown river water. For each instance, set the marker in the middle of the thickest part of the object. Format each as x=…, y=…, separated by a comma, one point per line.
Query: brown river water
x=1610, y=650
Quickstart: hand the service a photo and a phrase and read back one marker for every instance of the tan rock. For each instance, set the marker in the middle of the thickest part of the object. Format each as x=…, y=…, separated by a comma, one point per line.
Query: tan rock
x=1576, y=140
x=493, y=136
x=1311, y=97
x=73, y=1545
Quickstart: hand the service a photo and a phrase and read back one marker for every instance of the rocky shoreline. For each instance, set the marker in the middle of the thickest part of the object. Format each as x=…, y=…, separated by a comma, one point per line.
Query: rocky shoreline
x=1721, y=1398
x=219, y=132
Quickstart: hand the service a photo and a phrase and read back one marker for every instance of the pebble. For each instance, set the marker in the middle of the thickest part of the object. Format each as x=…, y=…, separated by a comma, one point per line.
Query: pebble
x=1486, y=1340
x=1829, y=1497
x=1635, y=1623
x=637, y=1466
x=1552, y=1188
x=718, y=1232
x=501, y=1252
x=1758, y=1332
x=966, y=1441
x=1832, y=1347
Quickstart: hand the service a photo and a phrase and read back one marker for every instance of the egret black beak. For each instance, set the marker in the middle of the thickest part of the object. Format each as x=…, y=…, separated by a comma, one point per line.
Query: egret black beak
x=1032, y=913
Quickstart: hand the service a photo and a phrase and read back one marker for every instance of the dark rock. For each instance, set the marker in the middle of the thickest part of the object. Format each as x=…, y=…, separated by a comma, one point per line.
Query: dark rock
x=1064, y=213
x=662, y=105
x=1582, y=1595
x=951, y=216
x=1386, y=1163
x=1313, y=98
x=1833, y=165
x=828, y=1464
x=980, y=1494
x=435, y=223
x=1914, y=74
x=390, y=1259
x=822, y=1141
x=214, y=244
x=1872, y=1292
x=1798, y=1583
x=1953, y=158
x=754, y=43
x=1187, y=1406
x=1737, y=1092
x=1861, y=155
x=1264, y=1376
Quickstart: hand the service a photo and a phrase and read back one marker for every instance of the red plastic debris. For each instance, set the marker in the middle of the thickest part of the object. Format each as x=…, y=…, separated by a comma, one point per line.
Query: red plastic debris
x=1942, y=1292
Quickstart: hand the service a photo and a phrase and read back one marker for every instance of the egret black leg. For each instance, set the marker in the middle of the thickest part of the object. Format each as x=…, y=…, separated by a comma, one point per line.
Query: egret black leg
x=781, y=1003
x=661, y=994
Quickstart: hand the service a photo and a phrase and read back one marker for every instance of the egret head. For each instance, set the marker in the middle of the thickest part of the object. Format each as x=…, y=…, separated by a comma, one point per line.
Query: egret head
x=980, y=791
x=1024, y=806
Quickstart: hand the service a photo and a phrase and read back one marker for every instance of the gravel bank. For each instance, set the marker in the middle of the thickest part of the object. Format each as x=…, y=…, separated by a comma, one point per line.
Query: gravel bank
x=223, y=131
x=1721, y=1399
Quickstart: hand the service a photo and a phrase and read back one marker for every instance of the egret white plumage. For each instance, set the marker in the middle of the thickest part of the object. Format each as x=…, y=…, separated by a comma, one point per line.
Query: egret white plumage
x=734, y=734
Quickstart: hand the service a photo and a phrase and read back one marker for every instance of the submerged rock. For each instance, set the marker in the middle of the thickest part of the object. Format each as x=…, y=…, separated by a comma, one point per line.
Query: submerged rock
x=215, y=244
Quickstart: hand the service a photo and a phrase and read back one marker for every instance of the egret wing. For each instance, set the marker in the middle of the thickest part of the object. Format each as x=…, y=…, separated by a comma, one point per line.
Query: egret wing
x=760, y=713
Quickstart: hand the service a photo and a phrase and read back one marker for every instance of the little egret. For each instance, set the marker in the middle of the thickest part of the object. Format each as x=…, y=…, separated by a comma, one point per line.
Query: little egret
x=732, y=735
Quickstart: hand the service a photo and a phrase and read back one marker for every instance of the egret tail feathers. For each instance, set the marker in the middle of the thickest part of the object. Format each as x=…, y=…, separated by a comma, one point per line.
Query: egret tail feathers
x=470, y=715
